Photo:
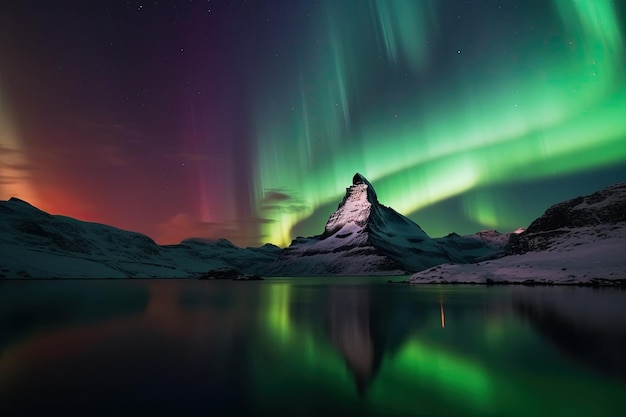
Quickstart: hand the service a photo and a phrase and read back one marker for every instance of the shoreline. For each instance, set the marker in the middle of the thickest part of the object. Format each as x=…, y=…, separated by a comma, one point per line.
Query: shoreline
x=619, y=283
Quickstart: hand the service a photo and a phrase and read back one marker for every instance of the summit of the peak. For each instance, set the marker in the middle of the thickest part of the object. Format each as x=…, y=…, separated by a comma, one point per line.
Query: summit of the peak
x=359, y=179
x=356, y=206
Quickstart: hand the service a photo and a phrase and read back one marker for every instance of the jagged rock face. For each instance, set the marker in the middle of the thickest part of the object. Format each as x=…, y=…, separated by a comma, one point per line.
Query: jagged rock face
x=362, y=237
x=361, y=213
x=355, y=209
x=602, y=208
x=607, y=206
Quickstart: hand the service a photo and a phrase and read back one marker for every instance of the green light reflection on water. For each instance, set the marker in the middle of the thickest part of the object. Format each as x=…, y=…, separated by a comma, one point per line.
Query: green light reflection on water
x=497, y=365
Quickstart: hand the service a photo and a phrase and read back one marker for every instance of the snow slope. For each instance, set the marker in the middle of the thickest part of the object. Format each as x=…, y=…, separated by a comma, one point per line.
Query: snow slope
x=580, y=241
x=36, y=244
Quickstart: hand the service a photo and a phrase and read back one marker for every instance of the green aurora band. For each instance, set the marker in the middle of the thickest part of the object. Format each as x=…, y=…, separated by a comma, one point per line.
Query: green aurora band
x=554, y=108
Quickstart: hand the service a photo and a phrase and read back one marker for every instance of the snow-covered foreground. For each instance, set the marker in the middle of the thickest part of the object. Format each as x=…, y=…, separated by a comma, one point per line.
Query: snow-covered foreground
x=583, y=256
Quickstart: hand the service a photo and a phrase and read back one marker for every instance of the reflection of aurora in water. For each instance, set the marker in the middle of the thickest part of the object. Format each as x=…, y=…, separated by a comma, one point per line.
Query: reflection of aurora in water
x=276, y=347
x=546, y=103
x=462, y=369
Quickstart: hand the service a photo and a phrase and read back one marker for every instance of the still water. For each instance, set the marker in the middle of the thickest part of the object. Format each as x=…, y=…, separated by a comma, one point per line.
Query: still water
x=309, y=347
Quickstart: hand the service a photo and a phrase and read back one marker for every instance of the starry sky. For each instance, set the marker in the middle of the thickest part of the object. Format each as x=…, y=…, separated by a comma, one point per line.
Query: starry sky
x=247, y=119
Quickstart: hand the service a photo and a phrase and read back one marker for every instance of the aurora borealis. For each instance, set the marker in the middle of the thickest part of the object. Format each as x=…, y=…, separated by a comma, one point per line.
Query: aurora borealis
x=247, y=119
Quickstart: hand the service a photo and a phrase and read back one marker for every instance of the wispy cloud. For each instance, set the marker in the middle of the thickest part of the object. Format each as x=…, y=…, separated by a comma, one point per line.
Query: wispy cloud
x=280, y=200
x=10, y=180
x=16, y=166
x=276, y=196
x=15, y=171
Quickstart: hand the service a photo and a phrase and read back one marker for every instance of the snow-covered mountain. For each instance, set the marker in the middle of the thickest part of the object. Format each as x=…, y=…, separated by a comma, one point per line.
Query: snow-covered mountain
x=579, y=241
x=362, y=237
x=36, y=244
x=565, y=223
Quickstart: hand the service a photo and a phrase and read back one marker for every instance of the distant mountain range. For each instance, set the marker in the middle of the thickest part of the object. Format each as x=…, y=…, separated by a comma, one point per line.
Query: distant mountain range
x=362, y=237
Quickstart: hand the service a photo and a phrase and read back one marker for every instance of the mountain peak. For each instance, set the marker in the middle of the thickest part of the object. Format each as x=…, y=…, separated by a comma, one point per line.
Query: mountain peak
x=15, y=200
x=362, y=237
x=355, y=208
x=359, y=179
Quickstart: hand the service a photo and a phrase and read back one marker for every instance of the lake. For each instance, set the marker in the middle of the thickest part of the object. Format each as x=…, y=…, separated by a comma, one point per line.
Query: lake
x=309, y=346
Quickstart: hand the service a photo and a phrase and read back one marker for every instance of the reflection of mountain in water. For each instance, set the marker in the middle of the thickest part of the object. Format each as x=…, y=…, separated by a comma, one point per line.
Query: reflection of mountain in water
x=363, y=324
x=368, y=324
x=592, y=334
x=350, y=327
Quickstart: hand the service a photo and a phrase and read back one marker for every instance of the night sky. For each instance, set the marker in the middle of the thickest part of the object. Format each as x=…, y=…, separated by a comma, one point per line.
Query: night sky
x=247, y=119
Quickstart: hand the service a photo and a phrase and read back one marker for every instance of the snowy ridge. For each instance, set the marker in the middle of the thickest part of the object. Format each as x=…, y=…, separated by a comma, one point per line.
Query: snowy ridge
x=35, y=244
x=581, y=241
x=605, y=207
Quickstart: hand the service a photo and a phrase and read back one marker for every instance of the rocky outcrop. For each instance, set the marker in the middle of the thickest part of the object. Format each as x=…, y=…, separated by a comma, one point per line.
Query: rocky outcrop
x=564, y=220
